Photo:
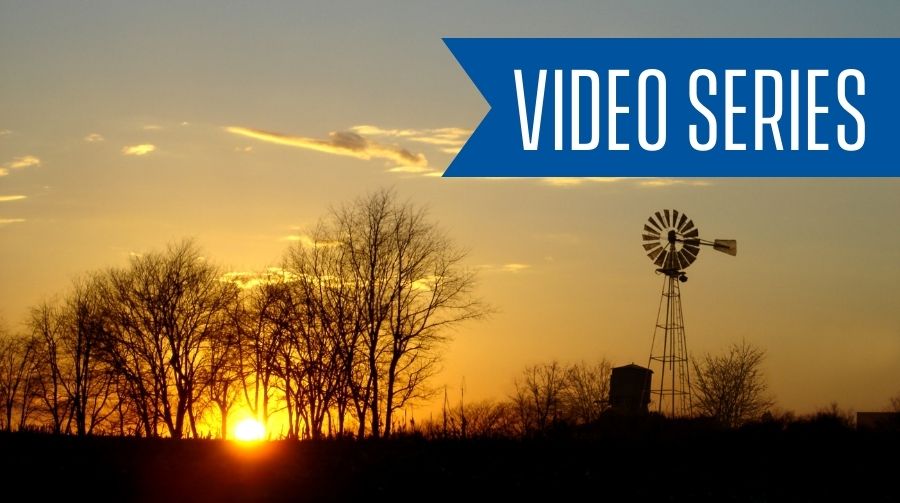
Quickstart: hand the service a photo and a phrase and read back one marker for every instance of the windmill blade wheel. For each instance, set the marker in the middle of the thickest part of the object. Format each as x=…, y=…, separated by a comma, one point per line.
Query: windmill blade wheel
x=670, y=240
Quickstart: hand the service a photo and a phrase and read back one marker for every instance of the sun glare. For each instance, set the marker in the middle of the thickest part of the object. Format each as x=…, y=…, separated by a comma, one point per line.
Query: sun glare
x=249, y=430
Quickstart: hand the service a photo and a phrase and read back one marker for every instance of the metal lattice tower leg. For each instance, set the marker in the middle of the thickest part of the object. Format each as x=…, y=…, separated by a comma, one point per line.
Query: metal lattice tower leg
x=671, y=388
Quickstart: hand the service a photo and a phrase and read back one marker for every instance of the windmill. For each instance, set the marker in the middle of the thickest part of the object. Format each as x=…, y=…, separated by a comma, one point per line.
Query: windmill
x=672, y=242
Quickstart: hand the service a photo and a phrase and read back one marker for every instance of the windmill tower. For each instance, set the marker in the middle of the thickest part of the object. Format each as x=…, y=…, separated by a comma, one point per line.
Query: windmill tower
x=672, y=242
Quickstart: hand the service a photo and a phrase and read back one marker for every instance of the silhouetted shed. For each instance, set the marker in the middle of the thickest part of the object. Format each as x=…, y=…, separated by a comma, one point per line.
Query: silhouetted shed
x=629, y=389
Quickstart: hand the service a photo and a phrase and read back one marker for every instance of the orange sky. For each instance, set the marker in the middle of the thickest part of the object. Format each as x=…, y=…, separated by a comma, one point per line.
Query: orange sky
x=125, y=126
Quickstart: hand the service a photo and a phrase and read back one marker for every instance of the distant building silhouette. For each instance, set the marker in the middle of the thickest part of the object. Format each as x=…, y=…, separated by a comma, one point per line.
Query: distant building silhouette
x=629, y=389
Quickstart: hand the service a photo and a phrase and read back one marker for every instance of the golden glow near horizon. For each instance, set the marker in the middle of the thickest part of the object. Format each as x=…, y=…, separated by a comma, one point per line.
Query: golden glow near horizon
x=136, y=126
x=249, y=430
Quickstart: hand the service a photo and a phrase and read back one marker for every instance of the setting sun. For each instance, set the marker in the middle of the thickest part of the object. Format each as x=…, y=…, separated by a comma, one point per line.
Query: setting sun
x=249, y=430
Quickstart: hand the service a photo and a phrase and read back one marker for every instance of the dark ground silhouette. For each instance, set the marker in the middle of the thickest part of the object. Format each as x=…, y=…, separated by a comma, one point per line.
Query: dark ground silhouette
x=812, y=461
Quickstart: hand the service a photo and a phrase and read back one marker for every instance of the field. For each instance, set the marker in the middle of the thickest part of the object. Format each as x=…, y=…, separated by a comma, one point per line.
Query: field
x=670, y=463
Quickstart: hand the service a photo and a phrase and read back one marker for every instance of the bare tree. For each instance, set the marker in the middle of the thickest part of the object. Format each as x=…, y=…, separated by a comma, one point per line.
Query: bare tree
x=325, y=335
x=76, y=386
x=46, y=328
x=895, y=403
x=483, y=419
x=731, y=387
x=433, y=291
x=223, y=374
x=410, y=286
x=257, y=320
x=833, y=415
x=539, y=398
x=18, y=365
x=587, y=393
x=162, y=312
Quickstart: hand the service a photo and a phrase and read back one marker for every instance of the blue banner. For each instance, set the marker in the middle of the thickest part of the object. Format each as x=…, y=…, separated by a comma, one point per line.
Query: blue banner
x=682, y=107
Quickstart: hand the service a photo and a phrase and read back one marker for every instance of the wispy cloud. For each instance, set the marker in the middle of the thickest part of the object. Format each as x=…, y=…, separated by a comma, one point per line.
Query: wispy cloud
x=512, y=267
x=303, y=239
x=7, y=221
x=308, y=241
x=417, y=170
x=250, y=279
x=572, y=181
x=4, y=132
x=448, y=140
x=346, y=143
x=142, y=149
x=6, y=199
x=667, y=182
x=370, y=142
x=640, y=182
x=22, y=162
x=152, y=127
x=94, y=137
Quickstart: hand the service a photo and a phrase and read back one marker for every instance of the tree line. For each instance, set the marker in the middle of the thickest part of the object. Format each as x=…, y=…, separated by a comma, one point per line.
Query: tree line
x=545, y=397
x=339, y=338
x=729, y=390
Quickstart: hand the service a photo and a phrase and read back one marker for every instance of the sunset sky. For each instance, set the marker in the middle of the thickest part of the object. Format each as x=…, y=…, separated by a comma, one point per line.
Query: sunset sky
x=126, y=125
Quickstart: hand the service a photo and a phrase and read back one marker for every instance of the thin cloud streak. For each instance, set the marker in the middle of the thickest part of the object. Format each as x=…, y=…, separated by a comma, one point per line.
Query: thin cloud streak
x=416, y=170
x=246, y=280
x=511, y=268
x=307, y=241
x=641, y=182
x=515, y=268
x=667, y=182
x=21, y=162
x=571, y=181
x=358, y=143
x=449, y=138
x=17, y=197
x=94, y=137
x=138, y=150
x=6, y=221
x=345, y=143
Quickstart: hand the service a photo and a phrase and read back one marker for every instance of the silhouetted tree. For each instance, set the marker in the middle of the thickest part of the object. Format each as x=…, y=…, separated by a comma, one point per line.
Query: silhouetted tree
x=482, y=419
x=18, y=376
x=162, y=311
x=731, y=388
x=329, y=293
x=326, y=334
x=833, y=411
x=539, y=398
x=257, y=320
x=46, y=328
x=76, y=384
x=223, y=374
x=409, y=286
x=586, y=395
